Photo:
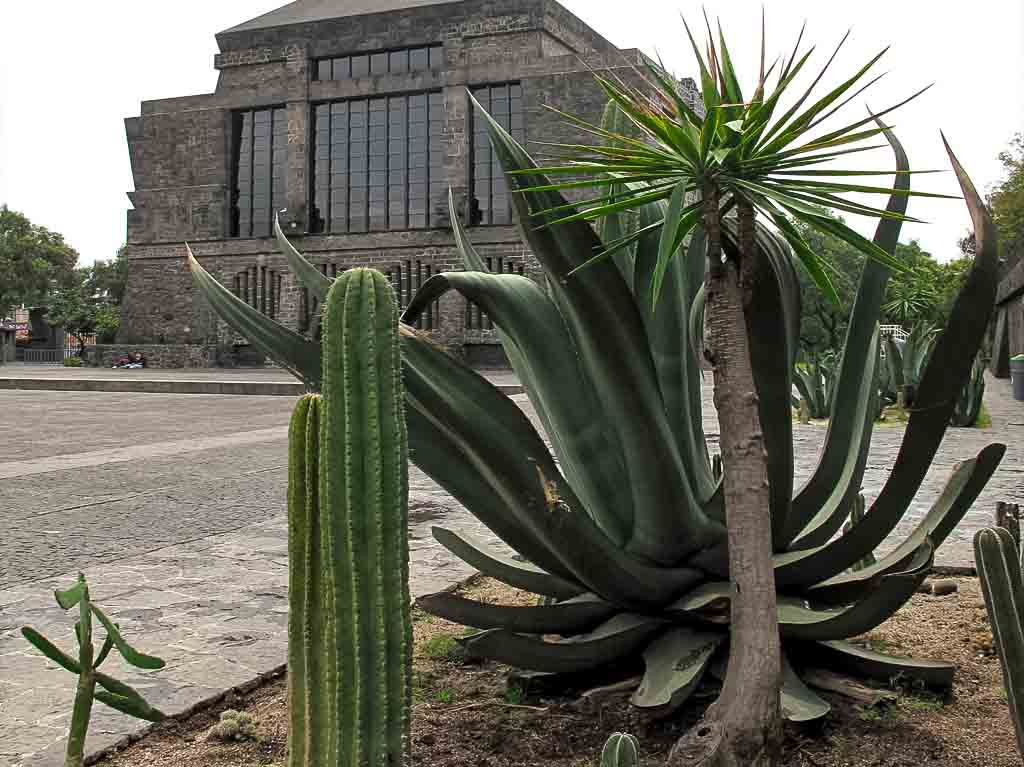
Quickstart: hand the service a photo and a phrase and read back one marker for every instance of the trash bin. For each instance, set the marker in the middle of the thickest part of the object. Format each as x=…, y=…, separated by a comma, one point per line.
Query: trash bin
x=1017, y=376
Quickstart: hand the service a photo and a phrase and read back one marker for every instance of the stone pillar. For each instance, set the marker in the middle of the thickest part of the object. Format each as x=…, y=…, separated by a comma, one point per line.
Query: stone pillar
x=297, y=107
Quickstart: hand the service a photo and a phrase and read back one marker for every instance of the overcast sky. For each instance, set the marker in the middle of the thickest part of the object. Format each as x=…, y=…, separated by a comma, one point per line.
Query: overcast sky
x=70, y=72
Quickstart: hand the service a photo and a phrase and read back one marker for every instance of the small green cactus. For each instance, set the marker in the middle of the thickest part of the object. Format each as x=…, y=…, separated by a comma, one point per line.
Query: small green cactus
x=620, y=750
x=233, y=726
x=350, y=627
x=999, y=569
x=118, y=695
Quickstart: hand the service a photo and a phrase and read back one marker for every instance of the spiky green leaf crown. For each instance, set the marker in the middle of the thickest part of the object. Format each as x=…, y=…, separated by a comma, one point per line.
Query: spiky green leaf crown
x=744, y=146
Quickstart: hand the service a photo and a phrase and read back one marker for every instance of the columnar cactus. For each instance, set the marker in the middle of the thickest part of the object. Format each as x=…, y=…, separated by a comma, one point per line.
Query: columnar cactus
x=350, y=630
x=621, y=750
x=999, y=568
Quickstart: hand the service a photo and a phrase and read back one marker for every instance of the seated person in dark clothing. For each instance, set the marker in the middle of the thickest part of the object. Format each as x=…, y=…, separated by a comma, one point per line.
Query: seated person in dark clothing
x=138, y=361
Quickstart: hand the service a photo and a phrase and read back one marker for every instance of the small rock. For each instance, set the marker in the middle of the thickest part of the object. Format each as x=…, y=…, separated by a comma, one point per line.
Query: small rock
x=944, y=588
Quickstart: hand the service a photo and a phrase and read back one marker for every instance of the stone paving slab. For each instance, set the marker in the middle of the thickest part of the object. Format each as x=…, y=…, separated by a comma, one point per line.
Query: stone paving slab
x=173, y=506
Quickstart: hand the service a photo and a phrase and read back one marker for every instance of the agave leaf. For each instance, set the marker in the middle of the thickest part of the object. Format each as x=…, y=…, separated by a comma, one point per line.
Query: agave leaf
x=542, y=353
x=469, y=411
x=300, y=356
x=520, y=575
x=799, y=703
x=675, y=663
x=613, y=640
x=851, y=659
x=894, y=363
x=835, y=507
x=948, y=369
x=308, y=275
x=613, y=349
x=574, y=616
x=50, y=650
x=442, y=452
x=129, y=653
x=842, y=448
x=676, y=360
x=959, y=494
x=797, y=620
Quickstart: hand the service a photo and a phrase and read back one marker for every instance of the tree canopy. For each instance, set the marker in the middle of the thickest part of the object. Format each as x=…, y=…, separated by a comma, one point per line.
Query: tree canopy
x=1007, y=202
x=33, y=260
x=924, y=294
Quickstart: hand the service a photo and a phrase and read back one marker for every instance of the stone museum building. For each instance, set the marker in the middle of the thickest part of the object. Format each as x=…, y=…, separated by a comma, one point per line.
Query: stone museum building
x=352, y=119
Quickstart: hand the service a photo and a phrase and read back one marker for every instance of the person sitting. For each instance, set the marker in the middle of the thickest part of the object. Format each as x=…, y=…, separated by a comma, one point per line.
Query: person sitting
x=122, y=362
x=137, y=361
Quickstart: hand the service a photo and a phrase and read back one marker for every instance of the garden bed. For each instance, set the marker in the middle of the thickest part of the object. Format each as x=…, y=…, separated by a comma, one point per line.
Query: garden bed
x=466, y=715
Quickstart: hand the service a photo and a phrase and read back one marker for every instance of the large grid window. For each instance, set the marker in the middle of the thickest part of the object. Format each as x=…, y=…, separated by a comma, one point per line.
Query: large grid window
x=419, y=59
x=260, y=142
x=379, y=163
x=489, y=200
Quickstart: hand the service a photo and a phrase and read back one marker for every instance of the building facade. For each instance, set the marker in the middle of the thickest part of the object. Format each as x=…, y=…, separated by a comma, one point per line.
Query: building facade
x=352, y=117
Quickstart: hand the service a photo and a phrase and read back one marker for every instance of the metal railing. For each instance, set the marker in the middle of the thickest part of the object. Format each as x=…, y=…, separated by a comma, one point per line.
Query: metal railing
x=896, y=331
x=44, y=356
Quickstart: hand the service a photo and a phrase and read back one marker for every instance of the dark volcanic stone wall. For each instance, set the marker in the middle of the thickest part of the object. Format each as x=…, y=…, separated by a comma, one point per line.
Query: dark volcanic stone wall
x=181, y=154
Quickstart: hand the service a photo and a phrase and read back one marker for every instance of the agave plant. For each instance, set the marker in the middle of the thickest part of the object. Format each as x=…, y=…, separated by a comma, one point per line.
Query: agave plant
x=624, y=532
x=815, y=380
x=906, y=364
x=972, y=396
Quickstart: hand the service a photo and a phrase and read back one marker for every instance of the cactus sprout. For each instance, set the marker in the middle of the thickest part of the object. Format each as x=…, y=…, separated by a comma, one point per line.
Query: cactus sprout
x=117, y=695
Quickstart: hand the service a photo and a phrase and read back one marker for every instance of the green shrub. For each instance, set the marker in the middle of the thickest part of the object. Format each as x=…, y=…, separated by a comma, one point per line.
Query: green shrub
x=72, y=362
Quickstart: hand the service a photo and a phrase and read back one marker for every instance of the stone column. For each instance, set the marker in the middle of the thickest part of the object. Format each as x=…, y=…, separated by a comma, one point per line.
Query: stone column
x=297, y=106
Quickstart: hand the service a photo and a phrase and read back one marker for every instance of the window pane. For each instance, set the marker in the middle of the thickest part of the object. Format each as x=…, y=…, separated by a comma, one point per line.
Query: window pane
x=399, y=61
x=419, y=59
x=342, y=68
x=378, y=64
x=436, y=57
x=323, y=69
x=360, y=66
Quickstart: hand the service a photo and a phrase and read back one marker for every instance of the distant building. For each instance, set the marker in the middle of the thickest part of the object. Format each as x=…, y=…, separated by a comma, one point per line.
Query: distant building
x=354, y=117
x=1009, y=320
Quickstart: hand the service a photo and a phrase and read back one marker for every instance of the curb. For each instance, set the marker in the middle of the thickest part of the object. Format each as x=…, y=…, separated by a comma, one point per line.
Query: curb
x=201, y=706
x=243, y=388
x=245, y=688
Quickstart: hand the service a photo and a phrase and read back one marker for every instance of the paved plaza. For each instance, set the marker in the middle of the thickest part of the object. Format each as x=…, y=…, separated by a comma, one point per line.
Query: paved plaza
x=174, y=507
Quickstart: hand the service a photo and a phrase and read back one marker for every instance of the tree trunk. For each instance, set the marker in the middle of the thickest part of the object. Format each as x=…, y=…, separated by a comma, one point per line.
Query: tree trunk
x=744, y=726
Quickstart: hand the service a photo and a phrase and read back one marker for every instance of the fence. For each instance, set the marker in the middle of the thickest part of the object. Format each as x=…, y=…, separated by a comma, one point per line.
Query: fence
x=896, y=331
x=55, y=356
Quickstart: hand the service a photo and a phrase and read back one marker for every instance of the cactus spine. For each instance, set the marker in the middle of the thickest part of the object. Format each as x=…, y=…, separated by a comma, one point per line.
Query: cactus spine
x=999, y=568
x=620, y=750
x=350, y=629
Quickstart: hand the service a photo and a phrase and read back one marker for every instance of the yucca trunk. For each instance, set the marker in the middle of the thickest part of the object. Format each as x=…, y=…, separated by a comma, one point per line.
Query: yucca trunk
x=744, y=727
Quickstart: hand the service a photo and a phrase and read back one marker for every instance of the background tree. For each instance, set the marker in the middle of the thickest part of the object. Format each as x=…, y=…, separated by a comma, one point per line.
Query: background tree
x=823, y=321
x=107, y=279
x=33, y=260
x=73, y=308
x=925, y=293
x=1007, y=202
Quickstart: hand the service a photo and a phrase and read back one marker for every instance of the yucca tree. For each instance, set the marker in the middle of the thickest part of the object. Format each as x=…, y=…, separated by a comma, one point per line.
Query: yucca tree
x=626, y=532
x=720, y=168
